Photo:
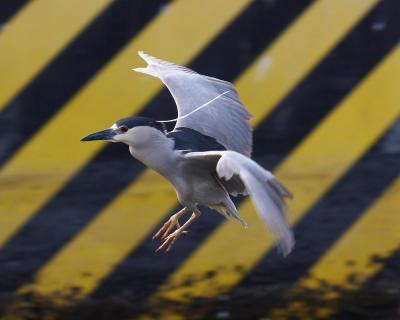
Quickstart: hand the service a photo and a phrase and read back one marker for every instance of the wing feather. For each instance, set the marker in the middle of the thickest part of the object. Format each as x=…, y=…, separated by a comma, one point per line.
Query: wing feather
x=225, y=119
x=266, y=192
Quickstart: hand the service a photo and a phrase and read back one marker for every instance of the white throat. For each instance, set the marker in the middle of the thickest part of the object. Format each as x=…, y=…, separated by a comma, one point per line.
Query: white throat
x=153, y=148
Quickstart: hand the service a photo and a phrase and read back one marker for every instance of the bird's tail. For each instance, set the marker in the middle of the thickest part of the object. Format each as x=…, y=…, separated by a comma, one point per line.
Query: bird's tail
x=229, y=211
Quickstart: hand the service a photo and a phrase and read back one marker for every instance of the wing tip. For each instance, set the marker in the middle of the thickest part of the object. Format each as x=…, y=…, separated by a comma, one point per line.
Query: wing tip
x=286, y=244
x=142, y=54
x=148, y=69
x=146, y=57
x=137, y=69
x=280, y=188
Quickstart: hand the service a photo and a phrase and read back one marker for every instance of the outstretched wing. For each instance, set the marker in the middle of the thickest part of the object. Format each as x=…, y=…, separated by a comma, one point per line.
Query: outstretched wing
x=266, y=192
x=224, y=119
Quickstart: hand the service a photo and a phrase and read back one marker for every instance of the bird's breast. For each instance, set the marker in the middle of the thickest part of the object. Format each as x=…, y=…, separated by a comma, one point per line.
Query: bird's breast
x=197, y=185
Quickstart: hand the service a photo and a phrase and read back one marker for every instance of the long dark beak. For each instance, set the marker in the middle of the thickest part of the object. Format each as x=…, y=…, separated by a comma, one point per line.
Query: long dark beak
x=107, y=134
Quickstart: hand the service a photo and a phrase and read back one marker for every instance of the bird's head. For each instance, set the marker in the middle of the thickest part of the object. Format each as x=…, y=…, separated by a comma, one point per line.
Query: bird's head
x=131, y=130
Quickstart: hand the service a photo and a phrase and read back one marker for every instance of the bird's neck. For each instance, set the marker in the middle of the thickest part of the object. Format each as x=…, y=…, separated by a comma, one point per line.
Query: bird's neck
x=156, y=151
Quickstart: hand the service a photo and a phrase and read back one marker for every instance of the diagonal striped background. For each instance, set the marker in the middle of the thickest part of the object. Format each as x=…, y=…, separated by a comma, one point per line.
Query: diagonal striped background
x=322, y=80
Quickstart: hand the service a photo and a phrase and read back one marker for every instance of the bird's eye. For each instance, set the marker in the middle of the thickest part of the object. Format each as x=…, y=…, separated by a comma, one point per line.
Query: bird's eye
x=124, y=128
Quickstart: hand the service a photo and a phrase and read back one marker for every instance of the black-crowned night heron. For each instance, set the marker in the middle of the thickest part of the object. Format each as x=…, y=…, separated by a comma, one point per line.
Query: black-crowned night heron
x=207, y=155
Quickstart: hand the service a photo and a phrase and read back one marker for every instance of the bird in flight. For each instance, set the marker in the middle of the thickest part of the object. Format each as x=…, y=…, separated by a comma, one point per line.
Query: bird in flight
x=206, y=157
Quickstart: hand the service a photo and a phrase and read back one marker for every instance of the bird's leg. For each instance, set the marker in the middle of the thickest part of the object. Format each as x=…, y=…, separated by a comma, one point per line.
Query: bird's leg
x=171, y=239
x=172, y=222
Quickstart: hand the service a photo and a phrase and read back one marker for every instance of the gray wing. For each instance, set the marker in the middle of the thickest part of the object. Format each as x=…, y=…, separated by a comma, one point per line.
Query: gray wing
x=266, y=192
x=225, y=119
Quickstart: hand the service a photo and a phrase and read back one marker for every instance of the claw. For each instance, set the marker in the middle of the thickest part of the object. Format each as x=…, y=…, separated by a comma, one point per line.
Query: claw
x=168, y=226
x=166, y=229
x=170, y=240
x=161, y=230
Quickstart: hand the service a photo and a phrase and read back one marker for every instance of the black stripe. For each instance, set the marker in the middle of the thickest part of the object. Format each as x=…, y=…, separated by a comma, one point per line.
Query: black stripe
x=326, y=222
x=278, y=135
x=70, y=70
x=378, y=297
x=8, y=9
x=112, y=169
x=299, y=112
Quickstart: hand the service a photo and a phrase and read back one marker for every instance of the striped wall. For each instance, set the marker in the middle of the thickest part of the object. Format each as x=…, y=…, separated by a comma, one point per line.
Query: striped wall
x=322, y=81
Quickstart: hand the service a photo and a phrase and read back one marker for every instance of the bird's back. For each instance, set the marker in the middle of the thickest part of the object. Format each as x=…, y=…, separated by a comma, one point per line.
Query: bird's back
x=190, y=140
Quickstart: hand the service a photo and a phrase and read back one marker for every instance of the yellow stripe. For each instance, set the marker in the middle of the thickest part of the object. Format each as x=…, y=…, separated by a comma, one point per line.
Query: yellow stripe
x=108, y=239
x=310, y=170
x=40, y=31
x=54, y=154
x=288, y=60
x=260, y=103
x=375, y=233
